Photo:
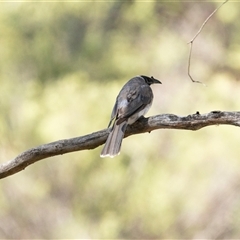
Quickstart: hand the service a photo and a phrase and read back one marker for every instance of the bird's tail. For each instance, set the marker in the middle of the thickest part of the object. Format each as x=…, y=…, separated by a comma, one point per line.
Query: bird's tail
x=114, y=141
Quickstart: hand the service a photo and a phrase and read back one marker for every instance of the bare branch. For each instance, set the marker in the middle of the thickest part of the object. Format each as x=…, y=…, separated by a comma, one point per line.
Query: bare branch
x=168, y=121
x=189, y=65
x=196, y=35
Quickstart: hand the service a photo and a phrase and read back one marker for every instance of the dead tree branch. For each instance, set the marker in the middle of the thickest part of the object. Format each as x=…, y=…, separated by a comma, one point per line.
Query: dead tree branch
x=193, y=39
x=167, y=121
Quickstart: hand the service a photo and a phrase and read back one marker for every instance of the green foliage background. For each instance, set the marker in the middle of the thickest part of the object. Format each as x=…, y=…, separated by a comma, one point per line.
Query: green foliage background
x=61, y=67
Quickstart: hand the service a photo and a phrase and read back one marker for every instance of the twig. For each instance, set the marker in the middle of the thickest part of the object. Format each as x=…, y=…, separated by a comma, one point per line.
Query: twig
x=168, y=121
x=196, y=35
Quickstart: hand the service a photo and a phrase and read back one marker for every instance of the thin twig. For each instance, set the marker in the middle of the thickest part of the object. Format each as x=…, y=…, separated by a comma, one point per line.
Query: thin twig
x=196, y=35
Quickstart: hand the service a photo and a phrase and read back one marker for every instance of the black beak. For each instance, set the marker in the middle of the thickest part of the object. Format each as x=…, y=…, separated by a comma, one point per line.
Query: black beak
x=155, y=80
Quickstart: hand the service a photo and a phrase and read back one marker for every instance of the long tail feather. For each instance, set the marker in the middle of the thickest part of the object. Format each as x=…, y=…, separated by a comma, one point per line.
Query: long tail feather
x=114, y=141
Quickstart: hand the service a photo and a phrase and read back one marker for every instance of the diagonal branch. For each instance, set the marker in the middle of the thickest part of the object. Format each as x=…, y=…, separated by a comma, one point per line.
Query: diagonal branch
x=168, y=121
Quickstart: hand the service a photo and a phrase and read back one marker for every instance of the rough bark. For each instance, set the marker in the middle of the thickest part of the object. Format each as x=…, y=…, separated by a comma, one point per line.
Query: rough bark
x=168, y=121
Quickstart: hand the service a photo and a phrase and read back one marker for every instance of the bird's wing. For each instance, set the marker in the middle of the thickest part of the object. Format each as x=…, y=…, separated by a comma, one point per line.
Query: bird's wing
x=114, y=113
x=134, y=101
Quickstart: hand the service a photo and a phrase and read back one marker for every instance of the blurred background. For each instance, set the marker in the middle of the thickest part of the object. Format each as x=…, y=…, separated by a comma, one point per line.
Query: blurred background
x=61, y=68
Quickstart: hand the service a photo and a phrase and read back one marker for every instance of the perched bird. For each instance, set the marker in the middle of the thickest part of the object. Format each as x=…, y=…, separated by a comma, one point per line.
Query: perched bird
x=133, y=101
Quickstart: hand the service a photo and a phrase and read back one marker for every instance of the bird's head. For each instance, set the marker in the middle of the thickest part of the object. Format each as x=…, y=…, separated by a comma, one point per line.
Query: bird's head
x=150, y=80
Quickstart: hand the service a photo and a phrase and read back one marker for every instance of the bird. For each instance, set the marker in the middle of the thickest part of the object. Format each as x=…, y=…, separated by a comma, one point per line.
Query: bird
x=132, y=102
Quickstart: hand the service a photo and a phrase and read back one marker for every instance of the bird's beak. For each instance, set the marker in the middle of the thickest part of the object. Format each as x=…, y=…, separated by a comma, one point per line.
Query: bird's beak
x=155, y=80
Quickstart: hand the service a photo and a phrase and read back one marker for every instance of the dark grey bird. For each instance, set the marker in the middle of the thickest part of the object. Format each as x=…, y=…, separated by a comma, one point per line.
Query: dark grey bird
x=133, y=101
